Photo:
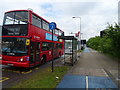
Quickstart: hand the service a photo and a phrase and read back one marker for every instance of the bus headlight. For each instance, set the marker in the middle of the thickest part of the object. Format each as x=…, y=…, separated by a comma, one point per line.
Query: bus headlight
x=21, y=59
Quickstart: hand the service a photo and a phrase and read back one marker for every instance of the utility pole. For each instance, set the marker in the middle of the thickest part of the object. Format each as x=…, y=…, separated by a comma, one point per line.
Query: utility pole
x=79, y=44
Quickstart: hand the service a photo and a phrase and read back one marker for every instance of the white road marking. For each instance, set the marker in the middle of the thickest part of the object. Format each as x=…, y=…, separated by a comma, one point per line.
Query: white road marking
x=105, y=72
x=86, y=82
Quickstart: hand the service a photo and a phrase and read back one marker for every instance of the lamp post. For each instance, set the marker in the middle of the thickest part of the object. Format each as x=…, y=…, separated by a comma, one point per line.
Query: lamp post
x=79, y=44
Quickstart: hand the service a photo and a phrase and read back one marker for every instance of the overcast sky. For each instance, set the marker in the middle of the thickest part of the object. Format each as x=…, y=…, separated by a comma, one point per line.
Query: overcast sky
x=95, y=14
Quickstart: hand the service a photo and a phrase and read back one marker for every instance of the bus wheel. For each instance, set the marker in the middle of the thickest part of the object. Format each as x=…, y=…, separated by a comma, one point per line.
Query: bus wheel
x=43, y=59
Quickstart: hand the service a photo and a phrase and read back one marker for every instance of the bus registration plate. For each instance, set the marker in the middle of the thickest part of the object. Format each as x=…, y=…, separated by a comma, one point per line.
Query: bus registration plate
x=10, y=64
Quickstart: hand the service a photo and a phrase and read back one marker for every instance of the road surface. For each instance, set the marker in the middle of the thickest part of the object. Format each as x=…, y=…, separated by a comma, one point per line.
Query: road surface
x=93, y=63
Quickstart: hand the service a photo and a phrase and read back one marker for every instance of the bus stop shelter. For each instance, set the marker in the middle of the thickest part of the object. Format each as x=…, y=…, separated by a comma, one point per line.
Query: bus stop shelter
x=70, y=45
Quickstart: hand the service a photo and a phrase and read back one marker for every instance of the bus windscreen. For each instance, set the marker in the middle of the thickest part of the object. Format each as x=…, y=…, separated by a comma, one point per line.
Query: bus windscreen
x=17, y=17
x=13, y=46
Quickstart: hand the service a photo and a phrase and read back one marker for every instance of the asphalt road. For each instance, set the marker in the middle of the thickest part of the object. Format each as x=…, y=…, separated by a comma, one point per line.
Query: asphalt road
x=93, y=63
x=12, y=75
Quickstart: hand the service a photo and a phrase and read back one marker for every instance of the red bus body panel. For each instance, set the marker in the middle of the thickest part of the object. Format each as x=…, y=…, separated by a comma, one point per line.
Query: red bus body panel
x=35, y=34
x=14, y=61
x=16, y=64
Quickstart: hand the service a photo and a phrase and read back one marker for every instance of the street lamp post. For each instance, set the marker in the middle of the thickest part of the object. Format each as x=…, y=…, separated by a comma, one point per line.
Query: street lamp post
x=80, y=33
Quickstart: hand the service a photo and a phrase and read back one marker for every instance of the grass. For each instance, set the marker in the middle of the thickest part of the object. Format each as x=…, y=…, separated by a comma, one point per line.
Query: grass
x=44, y=78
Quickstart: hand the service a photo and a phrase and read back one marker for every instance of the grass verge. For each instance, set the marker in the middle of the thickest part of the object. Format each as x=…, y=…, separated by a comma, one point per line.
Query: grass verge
x=44, y=78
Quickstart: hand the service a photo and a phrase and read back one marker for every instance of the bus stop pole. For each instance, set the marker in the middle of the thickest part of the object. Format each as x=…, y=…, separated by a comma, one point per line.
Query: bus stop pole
x=52, y=51
x=64, y=52
x=52, y=26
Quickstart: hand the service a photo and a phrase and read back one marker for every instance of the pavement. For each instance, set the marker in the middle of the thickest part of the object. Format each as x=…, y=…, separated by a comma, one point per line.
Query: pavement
x=92, y=70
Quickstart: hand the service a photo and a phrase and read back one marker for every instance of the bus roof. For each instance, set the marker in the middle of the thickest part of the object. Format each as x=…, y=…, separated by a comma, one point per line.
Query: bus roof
x=16, y=10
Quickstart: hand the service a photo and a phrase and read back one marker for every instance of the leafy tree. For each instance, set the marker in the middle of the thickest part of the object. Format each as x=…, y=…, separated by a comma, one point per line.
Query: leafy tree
x=110, y=43
x=113, y=32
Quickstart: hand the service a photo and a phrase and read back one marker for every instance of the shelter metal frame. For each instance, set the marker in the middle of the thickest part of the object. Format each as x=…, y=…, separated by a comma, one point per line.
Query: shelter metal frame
x=72, y=55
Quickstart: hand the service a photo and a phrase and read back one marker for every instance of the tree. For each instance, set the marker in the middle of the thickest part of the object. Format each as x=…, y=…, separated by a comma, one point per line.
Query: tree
x=110, y=43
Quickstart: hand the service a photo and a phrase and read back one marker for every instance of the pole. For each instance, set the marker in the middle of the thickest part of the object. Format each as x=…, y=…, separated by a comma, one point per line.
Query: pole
x=52, y=51
x=72, y=53
x=79, y=47
x=64, y=52
x=80, y=33
x=52, y=26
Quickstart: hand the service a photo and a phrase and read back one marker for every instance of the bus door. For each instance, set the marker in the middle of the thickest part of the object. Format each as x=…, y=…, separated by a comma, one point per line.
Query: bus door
x=34, y=53
x=37, y=52
x=55, y=50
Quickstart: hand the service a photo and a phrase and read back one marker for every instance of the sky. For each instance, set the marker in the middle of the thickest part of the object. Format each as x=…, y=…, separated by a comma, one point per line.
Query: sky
x=95, y=14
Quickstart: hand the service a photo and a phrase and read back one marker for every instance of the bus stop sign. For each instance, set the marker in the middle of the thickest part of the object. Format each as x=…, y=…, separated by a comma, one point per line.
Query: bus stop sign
x=52, y=25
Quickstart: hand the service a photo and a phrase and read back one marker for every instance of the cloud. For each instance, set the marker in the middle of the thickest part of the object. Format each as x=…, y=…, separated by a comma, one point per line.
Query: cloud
x=95, y=14
x=80, y=8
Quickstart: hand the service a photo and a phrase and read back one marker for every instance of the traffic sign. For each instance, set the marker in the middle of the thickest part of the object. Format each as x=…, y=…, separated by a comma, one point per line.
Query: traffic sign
x=52, y=25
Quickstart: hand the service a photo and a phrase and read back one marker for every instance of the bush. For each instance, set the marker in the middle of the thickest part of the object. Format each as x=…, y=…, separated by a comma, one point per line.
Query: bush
x=110, y=43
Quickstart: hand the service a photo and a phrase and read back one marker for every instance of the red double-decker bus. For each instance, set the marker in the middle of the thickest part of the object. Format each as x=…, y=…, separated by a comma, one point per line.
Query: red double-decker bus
x=27, y=39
